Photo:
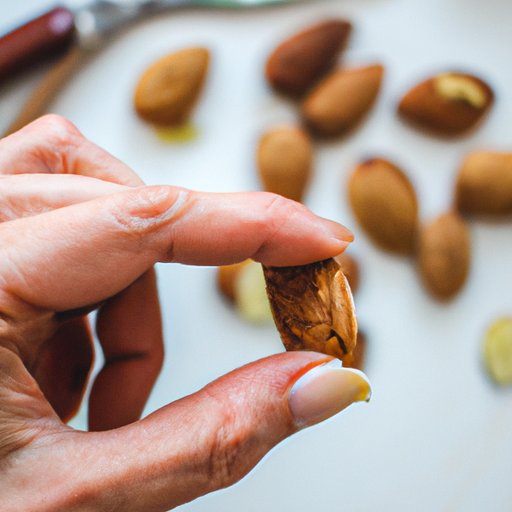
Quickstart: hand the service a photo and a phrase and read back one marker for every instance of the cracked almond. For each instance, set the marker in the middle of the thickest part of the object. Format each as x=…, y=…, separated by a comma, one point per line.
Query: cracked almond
x=447, y=104
x=313, y=308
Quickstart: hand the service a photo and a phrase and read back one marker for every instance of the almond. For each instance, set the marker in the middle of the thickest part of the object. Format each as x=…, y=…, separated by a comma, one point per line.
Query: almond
x=448, y=103
x=341, y=100
x=444, y=255
x=168, y=90
x=484, y=184
x=313, y=308
x=297, y=63
x=356, y=359
x=385, y=204
x=350, y=268
x=285, y=159
x=227, y=276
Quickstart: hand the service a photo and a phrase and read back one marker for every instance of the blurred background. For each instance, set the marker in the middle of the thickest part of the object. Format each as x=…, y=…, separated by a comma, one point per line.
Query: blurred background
x=437, y=434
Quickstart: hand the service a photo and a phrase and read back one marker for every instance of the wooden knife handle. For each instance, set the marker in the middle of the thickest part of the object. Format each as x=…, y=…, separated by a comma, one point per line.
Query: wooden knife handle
x=43, y=37
x=50, y=85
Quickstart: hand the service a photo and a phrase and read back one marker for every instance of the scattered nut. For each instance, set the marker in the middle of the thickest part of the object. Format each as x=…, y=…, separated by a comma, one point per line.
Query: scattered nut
x=385, y=204
x=356, y=359
x=297, y=63
x=313, y=308
x=484, y=184
x=243, y=285
x=448, y=103
x=341, y=100
x=497, y=351
x=444, y=254
x=350, y=268
x=168, y=90
x=285, y=159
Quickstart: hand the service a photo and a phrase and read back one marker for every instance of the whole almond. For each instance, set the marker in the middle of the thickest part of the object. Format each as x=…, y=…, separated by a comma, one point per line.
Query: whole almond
x=285, y=159
x=385, y=204
x=312, y=307
x=448, y=103
x=168, y=90
x=297, y=63
x=350, y=268
x=341, y=100
x=444, y=255
x=484, y=184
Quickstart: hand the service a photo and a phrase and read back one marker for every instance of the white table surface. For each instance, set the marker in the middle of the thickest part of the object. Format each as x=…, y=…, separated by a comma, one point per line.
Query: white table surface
x=437, y=436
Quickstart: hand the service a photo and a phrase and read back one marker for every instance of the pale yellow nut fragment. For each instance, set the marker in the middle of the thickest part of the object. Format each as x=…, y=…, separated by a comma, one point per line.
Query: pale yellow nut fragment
x=460, y=88
x=250, y=294
x=498, y=351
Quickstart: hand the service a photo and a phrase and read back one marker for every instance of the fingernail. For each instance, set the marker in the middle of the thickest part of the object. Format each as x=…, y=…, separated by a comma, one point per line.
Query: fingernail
x=337, y=231
x=326, y=390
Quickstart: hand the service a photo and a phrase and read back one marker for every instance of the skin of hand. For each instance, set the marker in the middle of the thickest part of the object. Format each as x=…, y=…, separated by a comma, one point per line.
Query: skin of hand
x=79, y=231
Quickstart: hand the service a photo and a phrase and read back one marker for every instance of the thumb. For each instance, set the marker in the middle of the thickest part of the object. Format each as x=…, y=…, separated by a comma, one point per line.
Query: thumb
x=211, y=439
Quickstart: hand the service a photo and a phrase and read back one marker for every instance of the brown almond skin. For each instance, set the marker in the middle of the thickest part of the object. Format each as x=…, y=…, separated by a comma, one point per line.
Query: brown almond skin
x=384, y=202
x=340, y=101
x=356, y=359
x=444, y=255
x=312, y=307
x=484, y=184
x=285, y=161
x=349, y=267
x=300, y=61
x=168, y=90
x=226, y=279
x=425, y=108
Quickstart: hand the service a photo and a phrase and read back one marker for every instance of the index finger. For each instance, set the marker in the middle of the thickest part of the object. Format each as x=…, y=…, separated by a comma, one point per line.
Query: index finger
x=93, y=250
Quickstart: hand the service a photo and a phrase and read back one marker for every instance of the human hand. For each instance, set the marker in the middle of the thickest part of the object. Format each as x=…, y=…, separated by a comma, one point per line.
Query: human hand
x=79, y=231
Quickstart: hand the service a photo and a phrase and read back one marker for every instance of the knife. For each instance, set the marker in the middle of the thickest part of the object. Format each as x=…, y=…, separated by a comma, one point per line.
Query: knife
x=78, y=34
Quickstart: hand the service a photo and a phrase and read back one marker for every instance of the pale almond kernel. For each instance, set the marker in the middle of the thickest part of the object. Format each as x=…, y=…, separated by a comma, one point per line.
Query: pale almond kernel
x=460, y=88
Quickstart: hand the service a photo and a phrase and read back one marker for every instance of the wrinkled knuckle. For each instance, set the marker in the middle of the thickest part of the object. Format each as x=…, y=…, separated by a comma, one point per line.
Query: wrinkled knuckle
x=59, y=130
x=278, y=208
x=226, y=453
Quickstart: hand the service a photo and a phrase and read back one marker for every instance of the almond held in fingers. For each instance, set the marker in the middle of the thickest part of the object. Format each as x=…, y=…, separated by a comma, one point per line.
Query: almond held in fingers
x=296, y=64
x=384, y=202
x=285, y=160
x=340, y=101
x=168, y=90
x=356, y=359
x=447, y=104
x=313, y=308
x=484, y=184
x=444, y=255
x=350, y=268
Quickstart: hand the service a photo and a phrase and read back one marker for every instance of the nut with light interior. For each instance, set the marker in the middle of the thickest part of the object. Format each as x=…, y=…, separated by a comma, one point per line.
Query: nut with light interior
x=285, y=160
x=385, y=204
x=243, y=285
x=447, y=104
x=497, y=351
x=313, y=308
